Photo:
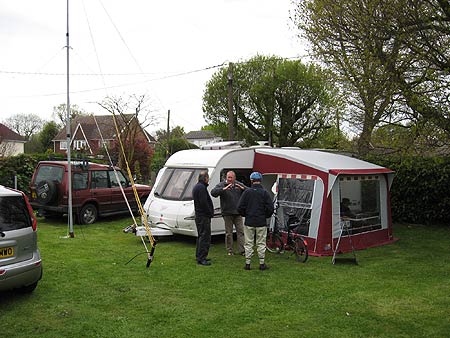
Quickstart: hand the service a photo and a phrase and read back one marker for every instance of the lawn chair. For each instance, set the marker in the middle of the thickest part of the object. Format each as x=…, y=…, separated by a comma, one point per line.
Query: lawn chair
x=345, y=225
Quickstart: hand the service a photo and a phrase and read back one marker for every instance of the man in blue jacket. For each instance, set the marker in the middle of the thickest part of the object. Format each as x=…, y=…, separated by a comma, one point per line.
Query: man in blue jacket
x=256, y=205
x=204, y=211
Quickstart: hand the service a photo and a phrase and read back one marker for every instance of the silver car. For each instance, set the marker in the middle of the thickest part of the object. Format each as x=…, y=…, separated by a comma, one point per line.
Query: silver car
x=20, y=260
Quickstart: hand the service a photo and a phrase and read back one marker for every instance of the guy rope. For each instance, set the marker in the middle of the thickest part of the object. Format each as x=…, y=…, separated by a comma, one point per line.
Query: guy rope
x=136, y=195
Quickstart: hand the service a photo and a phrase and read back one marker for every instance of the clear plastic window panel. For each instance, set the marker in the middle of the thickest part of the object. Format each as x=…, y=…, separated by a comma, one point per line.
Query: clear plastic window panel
x=294, y=202
x=362, y=198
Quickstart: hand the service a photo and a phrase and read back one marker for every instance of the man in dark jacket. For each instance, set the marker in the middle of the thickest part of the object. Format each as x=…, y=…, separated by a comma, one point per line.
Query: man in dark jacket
x=256, y=205
x=230, y=192
x=204, y=211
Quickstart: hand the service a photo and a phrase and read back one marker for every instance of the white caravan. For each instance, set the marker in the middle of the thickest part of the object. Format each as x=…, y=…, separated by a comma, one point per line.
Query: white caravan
x=170, y=208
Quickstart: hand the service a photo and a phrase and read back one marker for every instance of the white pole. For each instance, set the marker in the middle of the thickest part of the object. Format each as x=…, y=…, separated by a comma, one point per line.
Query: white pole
x=69, y=166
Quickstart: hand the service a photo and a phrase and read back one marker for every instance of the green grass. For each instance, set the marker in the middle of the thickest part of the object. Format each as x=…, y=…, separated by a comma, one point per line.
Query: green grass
x=398, y=290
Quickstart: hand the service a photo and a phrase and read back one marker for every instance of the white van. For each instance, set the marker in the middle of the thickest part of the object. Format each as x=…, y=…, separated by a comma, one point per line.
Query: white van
x=170, y=207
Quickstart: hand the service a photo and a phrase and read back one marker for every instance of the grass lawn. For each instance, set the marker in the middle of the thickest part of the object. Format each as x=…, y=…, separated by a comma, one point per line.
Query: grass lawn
x=397, y=290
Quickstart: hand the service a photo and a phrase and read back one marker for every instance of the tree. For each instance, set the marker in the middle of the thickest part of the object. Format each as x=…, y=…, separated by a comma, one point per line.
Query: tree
x=414, y=138
x=47, y=134
x=391, y=57
x=425, y=33
x=350, y=37
x=277, y=100
x=164, y=140
x=60, y=113
x=168, y=146
x=24, y=124
x=131, y=129
x=219, y=129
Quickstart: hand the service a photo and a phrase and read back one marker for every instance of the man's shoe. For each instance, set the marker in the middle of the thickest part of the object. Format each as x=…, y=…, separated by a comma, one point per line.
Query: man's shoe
x=247, y=267
x=204, y=262
x=230, y=253
x=263, y=267
x=242, y=253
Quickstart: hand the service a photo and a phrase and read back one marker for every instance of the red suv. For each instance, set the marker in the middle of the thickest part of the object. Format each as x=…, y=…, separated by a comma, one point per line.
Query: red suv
x=95, y=190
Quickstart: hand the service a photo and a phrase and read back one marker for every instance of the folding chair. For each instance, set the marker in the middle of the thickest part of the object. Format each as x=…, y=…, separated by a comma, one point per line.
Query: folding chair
x=345, y=225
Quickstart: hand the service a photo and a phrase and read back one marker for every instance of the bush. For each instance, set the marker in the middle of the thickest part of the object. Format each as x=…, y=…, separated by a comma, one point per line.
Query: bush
x=420, y=191
x=21, y=166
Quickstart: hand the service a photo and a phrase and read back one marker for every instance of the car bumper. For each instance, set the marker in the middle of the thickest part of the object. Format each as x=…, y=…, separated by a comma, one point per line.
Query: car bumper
x=21, y=274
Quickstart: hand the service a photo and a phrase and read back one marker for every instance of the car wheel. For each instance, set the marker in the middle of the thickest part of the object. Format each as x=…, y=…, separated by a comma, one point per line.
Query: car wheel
x=88, y=214
x=46, y=191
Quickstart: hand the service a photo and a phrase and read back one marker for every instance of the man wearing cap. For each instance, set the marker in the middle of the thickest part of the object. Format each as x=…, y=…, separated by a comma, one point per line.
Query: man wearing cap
x=256, y=205
x=230, y=192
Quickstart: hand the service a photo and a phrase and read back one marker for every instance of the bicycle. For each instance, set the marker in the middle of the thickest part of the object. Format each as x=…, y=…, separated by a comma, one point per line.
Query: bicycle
x=280, y=240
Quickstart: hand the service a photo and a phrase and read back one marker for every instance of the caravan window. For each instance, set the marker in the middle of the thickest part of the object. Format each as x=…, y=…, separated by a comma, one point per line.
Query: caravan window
x=177, y=184
x=361, y=195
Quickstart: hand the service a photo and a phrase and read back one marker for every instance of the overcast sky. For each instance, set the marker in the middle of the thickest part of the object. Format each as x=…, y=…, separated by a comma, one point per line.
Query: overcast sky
x=162, y=49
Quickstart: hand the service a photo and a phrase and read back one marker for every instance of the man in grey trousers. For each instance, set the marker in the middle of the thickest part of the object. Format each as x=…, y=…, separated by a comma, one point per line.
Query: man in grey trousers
x=230, y=192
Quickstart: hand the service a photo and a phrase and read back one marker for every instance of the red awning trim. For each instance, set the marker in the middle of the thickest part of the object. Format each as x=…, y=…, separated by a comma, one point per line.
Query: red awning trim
x=360, y=171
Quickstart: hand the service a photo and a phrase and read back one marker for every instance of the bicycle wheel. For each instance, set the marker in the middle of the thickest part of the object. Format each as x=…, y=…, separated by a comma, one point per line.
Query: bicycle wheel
x=301, y=249
x=274, y=243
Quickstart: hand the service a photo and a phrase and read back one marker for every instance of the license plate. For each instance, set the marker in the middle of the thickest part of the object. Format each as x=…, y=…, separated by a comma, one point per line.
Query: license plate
x=6, y=252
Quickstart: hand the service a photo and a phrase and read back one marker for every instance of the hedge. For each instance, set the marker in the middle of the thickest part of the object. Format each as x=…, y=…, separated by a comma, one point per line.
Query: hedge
x=420, y=190
x=22, y=166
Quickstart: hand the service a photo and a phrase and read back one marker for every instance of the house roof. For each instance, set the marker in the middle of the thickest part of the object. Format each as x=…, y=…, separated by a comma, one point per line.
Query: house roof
x=200, y=134
x=105, y=123
x=9, y=135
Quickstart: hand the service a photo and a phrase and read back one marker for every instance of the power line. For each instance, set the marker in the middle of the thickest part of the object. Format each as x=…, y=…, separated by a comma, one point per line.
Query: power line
x=121, y=85
x=146, y=74
x=132, y=74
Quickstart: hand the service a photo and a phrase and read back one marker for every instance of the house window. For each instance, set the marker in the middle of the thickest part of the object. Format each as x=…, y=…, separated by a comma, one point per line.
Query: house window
x=79, y=144
x=63, y=145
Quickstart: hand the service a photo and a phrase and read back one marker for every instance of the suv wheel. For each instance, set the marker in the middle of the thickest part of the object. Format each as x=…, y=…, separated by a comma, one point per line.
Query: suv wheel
x=88, y=214
x=46, y=191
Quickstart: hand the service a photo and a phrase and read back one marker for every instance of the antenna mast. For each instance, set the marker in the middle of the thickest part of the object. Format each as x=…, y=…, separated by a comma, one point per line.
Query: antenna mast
x=68, y=131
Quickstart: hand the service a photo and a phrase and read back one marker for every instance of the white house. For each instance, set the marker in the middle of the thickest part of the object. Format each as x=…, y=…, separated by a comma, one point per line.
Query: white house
x=202, y=137
x=11, y=143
